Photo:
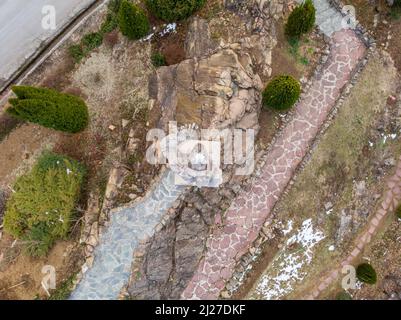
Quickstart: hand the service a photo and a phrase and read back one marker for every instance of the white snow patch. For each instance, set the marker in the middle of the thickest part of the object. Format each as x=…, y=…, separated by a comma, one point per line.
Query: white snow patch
x=289, y=228
x=169, y=28
x=288, y=266
x=331, y=248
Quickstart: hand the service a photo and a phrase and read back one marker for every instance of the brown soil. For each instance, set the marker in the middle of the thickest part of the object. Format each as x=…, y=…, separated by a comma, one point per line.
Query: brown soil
x=21, y=276
x=297, y=63
x=19, y=150
x=389, y=23
x=172, y=45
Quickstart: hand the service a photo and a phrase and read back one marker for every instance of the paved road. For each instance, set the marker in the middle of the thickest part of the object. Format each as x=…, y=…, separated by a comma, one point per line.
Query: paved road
x=21, y=32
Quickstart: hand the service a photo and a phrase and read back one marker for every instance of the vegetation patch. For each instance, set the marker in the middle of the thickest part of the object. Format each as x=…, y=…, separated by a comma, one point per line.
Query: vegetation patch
x=343, y=295
x=93, y=40
x=49, y=108
x=398, y=212
x=366, y=273
x=158, y=59
x=63, y=292
x=174, y=10
x=41, y=208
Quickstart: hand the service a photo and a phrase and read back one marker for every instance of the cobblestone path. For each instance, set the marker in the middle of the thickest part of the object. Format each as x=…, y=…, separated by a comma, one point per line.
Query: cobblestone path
x=113, y=256
x=250, y=210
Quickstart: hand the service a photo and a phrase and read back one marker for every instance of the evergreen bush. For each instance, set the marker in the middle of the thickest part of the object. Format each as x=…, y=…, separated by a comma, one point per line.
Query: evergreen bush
x=301, y=20
x=133, y=22
x=174, y=10
x=41, y=208
x=366, y=273
x=281, y=93
x=49, y=108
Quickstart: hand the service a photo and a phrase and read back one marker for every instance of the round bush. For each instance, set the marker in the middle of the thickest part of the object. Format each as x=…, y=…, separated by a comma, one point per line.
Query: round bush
x=301, y=20
x=281, y=93
x=132, y=20
x=174, y=10
x=366, y=273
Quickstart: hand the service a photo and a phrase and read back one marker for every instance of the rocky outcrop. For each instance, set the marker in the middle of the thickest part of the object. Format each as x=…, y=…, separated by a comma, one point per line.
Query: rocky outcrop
x=218, y=86
x=212, y=92
x=163, y=266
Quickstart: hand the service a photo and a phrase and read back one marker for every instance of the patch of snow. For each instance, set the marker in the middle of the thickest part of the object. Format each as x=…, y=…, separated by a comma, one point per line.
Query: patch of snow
x=289, y=228
x=331, y=248
x=169, y=28
x=288, y=265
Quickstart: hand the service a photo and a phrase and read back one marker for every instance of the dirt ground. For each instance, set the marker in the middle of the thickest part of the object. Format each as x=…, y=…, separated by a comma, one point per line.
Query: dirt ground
x=21, y=276
x=383, y=22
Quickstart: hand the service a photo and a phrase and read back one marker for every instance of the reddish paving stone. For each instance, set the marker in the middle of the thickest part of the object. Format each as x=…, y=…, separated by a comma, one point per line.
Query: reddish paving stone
x=355, y=252
x=372, y=230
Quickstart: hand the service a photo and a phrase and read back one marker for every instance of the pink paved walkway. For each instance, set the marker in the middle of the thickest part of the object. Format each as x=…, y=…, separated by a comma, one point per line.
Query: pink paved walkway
x=250, y=210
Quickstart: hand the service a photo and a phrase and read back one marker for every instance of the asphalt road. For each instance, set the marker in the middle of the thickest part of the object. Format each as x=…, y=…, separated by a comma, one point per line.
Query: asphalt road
x=21, y=31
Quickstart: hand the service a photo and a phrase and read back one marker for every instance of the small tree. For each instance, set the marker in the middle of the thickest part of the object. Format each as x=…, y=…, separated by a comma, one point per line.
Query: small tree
x=132, y=20
x=366, y=273
x=49, y=108
x=301, y=20
x=281, y=93
x=174, y=10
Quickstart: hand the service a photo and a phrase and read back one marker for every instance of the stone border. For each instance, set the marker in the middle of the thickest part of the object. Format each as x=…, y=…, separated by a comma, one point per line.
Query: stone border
x=91, y=233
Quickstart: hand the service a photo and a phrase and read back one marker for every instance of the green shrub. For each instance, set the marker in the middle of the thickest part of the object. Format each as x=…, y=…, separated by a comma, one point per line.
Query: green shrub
x=301, y=20
x=174, y=10
x=110, y=24
x=92, y=41
x=114, y=6
x=133, y=22
x=63, y=291
x=41, y=209
x=76, y=52
x=49, y=108
x=158, y=59
x=281, y=93
x=366, y=273
x=343, y=295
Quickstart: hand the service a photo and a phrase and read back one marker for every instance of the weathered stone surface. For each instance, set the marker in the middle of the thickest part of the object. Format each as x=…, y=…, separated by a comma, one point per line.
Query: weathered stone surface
x=172, y=256
x=215, y=91
x=198, y=42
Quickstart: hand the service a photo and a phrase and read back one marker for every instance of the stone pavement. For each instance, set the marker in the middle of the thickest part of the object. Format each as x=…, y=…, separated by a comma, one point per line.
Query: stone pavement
x=113, y=256
x=391, y=200
x=250, y=210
